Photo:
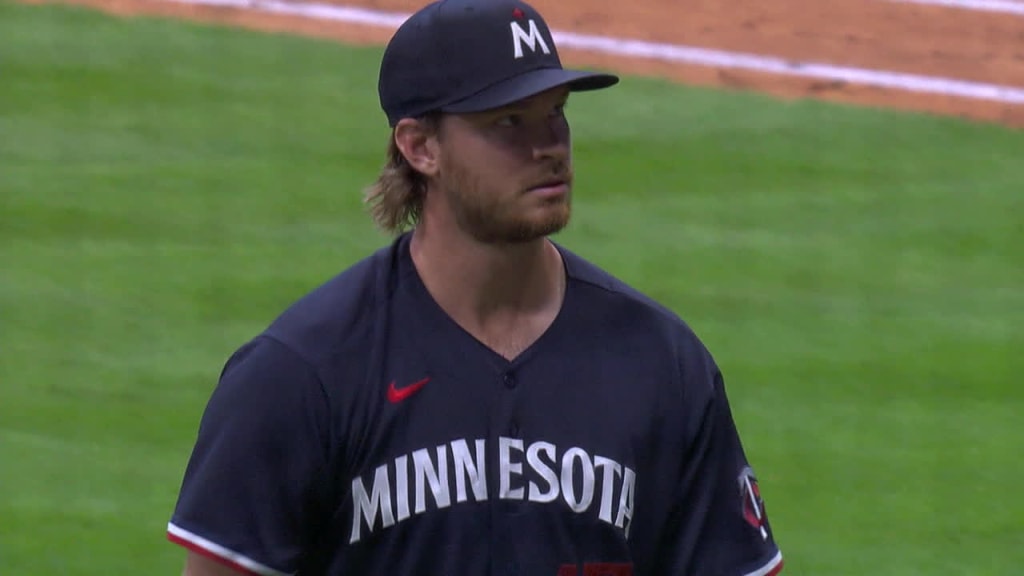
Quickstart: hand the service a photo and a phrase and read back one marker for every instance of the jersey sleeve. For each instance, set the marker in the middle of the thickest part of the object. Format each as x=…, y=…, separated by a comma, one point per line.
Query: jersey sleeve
x=719, y=525
x=248, y=496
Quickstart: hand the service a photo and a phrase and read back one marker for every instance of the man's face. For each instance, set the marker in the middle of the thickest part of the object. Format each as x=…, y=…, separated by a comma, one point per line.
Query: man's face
x=506, y=174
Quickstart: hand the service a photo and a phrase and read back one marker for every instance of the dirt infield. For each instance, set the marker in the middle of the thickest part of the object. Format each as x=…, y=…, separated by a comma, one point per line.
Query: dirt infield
x=953, y=43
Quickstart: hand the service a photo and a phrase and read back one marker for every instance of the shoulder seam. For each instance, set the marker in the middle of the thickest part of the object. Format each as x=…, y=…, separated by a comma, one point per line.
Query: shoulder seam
x=313, y=368
x=632, y=294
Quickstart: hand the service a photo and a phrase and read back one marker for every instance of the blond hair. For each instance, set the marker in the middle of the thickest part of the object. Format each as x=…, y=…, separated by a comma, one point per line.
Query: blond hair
x=395, y=200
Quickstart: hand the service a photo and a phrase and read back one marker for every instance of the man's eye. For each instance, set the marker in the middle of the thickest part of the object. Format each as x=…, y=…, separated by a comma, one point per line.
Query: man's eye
x=559, y=110
x=510, y=120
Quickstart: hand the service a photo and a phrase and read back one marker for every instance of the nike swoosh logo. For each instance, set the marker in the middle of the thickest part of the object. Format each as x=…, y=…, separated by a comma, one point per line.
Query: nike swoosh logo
x=396, y=395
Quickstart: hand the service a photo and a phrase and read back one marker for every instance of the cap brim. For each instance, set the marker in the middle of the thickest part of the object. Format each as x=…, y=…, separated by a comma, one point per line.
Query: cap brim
x=530, y=84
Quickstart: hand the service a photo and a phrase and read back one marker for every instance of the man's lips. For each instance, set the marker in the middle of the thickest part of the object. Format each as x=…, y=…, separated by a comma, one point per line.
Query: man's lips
x=553, y=186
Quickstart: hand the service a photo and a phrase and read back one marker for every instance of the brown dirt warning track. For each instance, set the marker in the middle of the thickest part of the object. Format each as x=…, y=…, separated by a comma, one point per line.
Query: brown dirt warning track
x=953, y=43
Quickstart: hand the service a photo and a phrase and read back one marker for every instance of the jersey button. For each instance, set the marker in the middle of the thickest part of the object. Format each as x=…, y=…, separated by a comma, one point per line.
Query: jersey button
x=513, y=430
x=509, y=380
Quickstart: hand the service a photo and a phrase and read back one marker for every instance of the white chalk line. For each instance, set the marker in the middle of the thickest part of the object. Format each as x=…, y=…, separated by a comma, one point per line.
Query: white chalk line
x=669, y=53
x=1015, y=7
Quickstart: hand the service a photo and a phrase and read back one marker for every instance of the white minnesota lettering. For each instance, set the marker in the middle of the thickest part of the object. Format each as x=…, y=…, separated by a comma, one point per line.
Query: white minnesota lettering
x=611, y=470
x=402, y=486
x=507, y=468
x=538, y=472
x=625, y=516
x=367, y=507
x=586, y=495
x=545, y=471
x=434, y=474
x=466, y=467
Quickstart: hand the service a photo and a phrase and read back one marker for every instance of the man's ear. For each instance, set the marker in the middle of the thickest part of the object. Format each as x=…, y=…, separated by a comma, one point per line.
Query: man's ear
x=417, y=141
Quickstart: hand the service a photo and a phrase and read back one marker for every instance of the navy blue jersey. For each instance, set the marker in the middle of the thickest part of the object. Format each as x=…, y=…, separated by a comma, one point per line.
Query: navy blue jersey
x=365, y=433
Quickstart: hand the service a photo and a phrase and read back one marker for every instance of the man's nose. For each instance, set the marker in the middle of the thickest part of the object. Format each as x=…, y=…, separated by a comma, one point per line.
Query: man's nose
x=551, y=141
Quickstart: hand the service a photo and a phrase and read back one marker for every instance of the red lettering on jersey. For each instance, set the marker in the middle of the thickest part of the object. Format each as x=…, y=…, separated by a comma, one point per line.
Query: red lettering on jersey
x=597, y=569
x=607, y=569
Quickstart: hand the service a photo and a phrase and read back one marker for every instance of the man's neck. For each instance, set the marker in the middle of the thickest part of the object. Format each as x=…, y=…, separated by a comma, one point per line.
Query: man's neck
x=505, y=295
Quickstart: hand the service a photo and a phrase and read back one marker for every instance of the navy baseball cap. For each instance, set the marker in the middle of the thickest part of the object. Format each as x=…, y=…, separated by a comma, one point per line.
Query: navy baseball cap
x=473, y=55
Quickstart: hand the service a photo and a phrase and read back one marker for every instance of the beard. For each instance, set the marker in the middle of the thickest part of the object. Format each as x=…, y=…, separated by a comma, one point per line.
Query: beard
x=495, y=219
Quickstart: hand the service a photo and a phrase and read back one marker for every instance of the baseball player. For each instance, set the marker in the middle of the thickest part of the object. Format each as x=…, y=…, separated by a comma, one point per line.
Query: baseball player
x=473, y=399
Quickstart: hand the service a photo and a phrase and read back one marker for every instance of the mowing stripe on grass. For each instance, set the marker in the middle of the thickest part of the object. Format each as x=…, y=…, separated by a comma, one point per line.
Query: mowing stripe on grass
x=672, y=52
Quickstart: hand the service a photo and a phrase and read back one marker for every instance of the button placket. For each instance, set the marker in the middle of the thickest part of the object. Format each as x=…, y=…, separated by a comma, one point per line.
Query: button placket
x=509, y=381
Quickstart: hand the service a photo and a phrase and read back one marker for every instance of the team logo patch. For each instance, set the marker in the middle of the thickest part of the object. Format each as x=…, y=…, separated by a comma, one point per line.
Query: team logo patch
x=531, y=39
x=753, y=505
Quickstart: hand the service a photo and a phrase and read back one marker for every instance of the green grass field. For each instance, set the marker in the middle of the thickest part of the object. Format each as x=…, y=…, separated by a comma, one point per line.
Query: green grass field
x=166, y=189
